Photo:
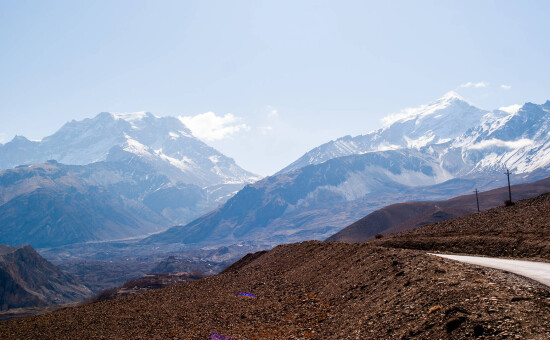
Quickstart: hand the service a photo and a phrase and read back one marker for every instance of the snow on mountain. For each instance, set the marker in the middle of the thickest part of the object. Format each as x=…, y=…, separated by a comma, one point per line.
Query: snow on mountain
x=519, y=141
x=443, y=149
x=162, y=141
x=145, y=160
x=131, y=117
x=310, y=202
x=435, y=123
x=467, y=140
x=511, y=108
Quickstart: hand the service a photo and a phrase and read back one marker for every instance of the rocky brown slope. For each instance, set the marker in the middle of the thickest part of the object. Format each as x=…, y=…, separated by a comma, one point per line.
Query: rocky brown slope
x=315, y=290
x=28, y=280
x=146, y=283
x=521, y=230
x=404, y=216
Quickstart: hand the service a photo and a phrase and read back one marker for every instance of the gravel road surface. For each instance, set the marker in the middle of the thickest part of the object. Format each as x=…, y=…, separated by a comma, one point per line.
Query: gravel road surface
x=538, y=271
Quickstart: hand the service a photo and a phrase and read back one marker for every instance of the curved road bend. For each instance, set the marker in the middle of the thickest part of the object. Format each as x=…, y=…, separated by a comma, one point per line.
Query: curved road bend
x=538, y=271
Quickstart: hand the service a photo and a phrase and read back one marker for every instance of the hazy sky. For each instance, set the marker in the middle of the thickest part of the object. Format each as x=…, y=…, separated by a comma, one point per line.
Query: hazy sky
x=261, y=81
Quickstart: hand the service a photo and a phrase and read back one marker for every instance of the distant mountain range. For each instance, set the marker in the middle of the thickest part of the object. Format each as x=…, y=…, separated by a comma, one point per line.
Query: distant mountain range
x=165, y=143
x=51, y=204
x=154, y=174
x=462, y=138
x=440, y=150
x=311, y=202
x=435, y=123
x=125, y=175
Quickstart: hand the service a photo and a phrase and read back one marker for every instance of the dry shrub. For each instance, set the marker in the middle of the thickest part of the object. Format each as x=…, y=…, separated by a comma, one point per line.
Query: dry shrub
x=434, y=309
x=105, y=294
x=508, y=203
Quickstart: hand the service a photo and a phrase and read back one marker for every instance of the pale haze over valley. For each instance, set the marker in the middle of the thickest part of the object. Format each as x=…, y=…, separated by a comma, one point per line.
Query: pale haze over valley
x=264, y=82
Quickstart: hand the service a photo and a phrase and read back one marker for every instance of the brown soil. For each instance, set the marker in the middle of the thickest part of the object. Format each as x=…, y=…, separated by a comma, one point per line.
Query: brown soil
x=17, y=313
x=316, y=290
x=521, y=230
x=146, y=283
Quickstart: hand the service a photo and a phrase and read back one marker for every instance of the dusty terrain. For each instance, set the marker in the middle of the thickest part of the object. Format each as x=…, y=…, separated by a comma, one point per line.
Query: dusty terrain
x=145, y=283
x=518, y=231
x=316, y=290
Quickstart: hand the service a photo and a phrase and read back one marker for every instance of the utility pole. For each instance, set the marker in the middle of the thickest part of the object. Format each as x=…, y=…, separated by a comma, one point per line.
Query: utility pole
x=477, y=200
x=509, y=190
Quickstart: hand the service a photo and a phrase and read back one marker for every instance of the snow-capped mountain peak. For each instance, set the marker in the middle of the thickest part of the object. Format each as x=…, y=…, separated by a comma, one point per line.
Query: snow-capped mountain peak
x=511, y=108
x=518, y=140
x=164, y=142
x=131, y=116
x=426, y=110
x=435, y=123
x=451, y=95
x=465, y=138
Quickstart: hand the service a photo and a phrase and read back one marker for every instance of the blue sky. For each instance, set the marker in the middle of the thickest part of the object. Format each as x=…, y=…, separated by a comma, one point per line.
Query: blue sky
x=278, y=77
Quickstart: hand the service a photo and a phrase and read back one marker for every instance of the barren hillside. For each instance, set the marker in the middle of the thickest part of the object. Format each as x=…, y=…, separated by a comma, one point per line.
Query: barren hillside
x=521, y=230
x=409, y=215
x=315, y=290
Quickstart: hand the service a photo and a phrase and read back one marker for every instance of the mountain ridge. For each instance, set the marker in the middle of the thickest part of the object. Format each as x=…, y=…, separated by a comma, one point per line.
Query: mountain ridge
x=408, y=129
x=28, y=280
x=295, y=205
x=113, y=176
x=453, y=134
x=409, y=215
x=164, y=142
x=49, y=205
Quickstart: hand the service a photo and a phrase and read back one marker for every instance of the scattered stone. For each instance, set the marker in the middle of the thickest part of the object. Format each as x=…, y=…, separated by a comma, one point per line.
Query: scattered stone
x=454, y=323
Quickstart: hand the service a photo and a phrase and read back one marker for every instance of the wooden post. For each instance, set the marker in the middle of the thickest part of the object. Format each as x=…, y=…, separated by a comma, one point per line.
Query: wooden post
x=509, y=190
x=477, y=200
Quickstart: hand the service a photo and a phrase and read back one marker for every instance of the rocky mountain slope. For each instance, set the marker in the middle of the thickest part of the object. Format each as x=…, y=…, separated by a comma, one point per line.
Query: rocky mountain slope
x=278, y=208
x=316, y=290
x=317, y=201
x=438, y=151
x=146, y=283
x=163, y=142
x=153, y=160
x=404, y=216
x=49, y=205
x=464, y=139
x=367, y=290
x=28, y=280
x=435, y=123
x=127, y=175
x=521, y=230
